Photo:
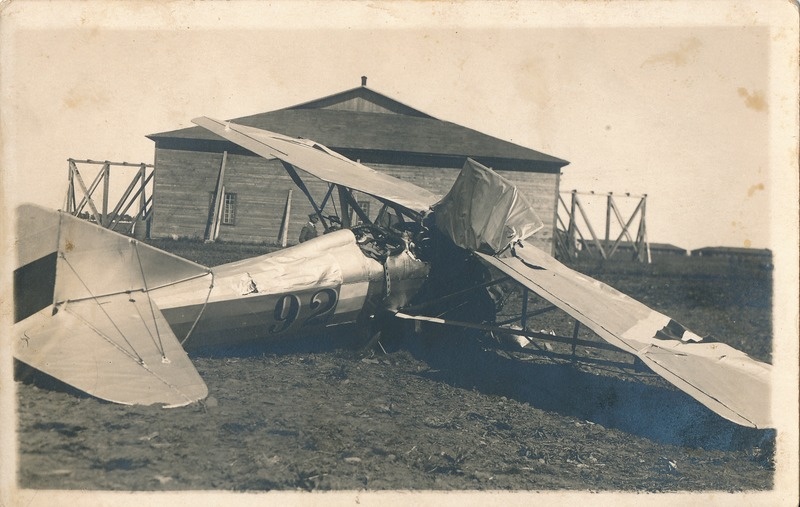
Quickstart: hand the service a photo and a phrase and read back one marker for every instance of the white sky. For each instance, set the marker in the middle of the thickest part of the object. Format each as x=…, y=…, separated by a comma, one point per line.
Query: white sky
x=640, y=98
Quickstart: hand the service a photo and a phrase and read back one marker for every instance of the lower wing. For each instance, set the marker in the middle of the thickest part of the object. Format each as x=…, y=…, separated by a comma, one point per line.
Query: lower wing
x=720, y=377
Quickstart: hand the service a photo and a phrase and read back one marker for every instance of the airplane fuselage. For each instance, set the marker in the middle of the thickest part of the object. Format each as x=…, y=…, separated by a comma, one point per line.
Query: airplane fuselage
x=327, y=281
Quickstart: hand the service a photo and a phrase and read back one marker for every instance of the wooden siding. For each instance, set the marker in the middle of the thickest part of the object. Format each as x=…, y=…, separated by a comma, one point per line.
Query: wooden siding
x=359, y=104
x=184, y=180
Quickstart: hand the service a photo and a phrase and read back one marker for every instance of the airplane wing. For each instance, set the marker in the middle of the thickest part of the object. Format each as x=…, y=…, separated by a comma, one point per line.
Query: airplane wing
x=83, y=312
x=323, y=163
x=118, y=348
x=720, y=377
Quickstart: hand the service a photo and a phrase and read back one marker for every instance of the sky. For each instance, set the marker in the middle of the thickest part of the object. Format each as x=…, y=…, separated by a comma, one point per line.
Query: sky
x=640, y=98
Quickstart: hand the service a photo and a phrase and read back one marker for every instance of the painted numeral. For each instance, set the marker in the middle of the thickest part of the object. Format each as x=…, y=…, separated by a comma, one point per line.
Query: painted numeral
x=286, y=311
x=289, y=308
x=322, y=305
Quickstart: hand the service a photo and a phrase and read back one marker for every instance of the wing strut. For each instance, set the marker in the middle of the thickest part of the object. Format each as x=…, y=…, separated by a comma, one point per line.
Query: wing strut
x=302, y=186
x=351, y=201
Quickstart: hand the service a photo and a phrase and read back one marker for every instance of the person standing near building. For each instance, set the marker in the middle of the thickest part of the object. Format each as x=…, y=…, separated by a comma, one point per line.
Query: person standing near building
x=309, y=230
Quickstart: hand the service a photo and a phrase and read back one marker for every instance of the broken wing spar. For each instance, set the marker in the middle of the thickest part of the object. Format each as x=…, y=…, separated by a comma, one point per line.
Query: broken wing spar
x=720, y=377
x=323, y=163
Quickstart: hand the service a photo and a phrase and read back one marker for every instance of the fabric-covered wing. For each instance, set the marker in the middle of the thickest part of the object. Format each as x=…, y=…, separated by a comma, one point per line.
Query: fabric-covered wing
x=323, y=163
x=720, y=377
x=118, y=348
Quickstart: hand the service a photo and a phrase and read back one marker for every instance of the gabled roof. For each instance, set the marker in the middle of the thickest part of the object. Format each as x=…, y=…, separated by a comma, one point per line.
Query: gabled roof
x=362, y=119
x=364, y=95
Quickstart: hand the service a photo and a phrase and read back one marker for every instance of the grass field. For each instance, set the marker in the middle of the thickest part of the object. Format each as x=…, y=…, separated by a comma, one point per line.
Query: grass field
x=446, y=414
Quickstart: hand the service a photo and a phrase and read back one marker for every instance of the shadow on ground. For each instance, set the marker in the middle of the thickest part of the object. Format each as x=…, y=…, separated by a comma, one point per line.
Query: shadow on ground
x=654, y=410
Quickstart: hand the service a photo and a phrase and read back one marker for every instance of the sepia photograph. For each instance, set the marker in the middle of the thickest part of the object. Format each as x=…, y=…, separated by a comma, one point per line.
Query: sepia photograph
x=381, y=253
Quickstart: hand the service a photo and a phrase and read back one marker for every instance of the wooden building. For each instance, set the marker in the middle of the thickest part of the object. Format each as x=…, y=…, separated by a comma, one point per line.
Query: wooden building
x=627, y=249
x=361, y=124
x=760, y=255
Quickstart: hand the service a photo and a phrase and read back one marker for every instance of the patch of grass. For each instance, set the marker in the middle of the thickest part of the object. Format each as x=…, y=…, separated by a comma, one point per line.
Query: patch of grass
x=211, y=254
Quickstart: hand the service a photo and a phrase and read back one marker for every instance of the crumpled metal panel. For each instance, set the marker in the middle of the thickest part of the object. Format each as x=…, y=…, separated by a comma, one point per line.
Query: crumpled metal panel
x=484, y=211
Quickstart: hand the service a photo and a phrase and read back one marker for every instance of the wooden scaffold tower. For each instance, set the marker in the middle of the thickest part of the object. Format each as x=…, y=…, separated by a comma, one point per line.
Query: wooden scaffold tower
x=576, y=237
x=138, y=195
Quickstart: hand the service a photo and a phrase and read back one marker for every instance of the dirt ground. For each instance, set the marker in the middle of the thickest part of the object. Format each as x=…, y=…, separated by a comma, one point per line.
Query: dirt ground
x=442, y=410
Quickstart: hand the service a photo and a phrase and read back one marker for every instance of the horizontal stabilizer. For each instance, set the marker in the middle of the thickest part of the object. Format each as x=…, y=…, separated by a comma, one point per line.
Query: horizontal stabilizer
x=83, y=313
x=118, y=348
x=720, y=377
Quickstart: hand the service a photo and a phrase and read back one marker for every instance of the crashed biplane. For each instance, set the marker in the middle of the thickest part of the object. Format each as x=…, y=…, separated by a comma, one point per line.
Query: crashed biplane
x=115, y=318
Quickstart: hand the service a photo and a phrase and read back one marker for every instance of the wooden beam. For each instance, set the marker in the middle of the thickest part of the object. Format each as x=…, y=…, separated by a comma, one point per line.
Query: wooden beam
x=287, y=212
x=218, y=220
x=625, y=229
x=213, y=225
x=609, y=200
x=591, y=230
x=354, y=204
x=571, y=231
x=142, y=196
x=133, y=199
x=115, y=213
x=87, y=196
x=106, y=185
x=620, y=219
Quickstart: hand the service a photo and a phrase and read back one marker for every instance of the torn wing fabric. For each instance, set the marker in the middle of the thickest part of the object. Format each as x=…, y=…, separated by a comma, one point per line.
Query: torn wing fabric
x=118, y=348
x=720, y=377
x=323, y=163
x=484, y=211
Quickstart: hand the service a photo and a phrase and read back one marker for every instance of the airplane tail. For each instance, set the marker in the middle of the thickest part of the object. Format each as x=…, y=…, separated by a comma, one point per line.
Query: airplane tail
x=83, y=312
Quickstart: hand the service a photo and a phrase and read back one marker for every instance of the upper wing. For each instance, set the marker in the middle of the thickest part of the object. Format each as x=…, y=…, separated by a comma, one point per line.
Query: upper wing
x=720, y=377
x=323, y=163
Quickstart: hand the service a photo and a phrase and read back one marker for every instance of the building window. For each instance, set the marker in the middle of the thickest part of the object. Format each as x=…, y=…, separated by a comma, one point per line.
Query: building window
x=228, y=204
x=229, y=209
x=354, y=218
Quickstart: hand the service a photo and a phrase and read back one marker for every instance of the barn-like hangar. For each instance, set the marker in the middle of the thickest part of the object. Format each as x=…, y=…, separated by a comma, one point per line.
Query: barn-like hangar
x=359, y=123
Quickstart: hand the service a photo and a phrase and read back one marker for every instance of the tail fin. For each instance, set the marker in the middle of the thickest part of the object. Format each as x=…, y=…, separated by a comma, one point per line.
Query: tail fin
x=83, y=313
